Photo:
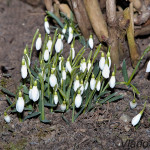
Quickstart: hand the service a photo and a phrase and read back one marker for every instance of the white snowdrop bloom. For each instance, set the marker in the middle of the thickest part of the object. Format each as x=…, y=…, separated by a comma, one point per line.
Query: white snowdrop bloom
x=70, y=37
x=83, y=65
x=52, y=79
x=63, y=74
x=148, y=66
x=81, y=87
x=68, y=66
x=60, y=63
x=20, y=103
x=30, y=92
x=49, y=44
x=102, y=61
x=76, y=84
x=112, y=81
x=38, y=43
x=70, y=29
x=43, y=75
x=26, y=54
x=72, y=51
x=133, y=104
x=136, y=119
x=63, y=106
x=86, y=85
x=35, y=92
x=91, y=42
x=55, y=98
x=106, y=71
x=64, y=31
x=46, y=26
x=98, y=86
x=46, y=55
x=78, y=100
x=58, y=44
x=24, y=71
x=89, y=65
x=7, y=118
x=109, y=59
x=92, y=82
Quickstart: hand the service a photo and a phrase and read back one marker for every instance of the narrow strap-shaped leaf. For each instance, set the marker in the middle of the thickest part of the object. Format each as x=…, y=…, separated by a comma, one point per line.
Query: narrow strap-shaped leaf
x=79, y=113
x=34, y=114
x=46, y=121
x=49, y=105
x=62, y=93
x=114, y=98
x=8, y=100
x=124, y=71
x=101, y=94
x=4, y=90
x=64, y=118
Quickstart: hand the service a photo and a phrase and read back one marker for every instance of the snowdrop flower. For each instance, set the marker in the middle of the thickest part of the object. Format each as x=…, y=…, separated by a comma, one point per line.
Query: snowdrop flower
x=61, y=59
x=55, y=98
x=46, y=26
x=49, y=44
x=68, y=66
x=86, y=83
x=30, y=92
x=91, y=43
x=20, y=103
x=64, y=31
x=63, y=106
x=102, y=61
x=133, y=104
x=46, y=54
x=76, y=84
x=43, y=75
x=24, y=71
x=81, y=87
x=63, y=73
x=148, y=66
x=52, y=79
x=38, y=43
x=137, y=118
x=6, y=118
x=35, y=92
x=70, y=29
x=112, y=81
x=98, y=86
x=106, y=71
x=70, y=37
x=72, y=51
x=78, y=100
x=89, y=65
x=109, y=59
x=83, y=65
x=58, y=44
x=92, y=82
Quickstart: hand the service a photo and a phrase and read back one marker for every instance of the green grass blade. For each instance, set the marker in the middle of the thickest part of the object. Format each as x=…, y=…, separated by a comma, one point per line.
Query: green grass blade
x=4, y=90
x=35, y=114
x=124, y=71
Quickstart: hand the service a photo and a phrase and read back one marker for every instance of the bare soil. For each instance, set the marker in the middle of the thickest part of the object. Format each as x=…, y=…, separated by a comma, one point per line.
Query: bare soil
x=102, y=128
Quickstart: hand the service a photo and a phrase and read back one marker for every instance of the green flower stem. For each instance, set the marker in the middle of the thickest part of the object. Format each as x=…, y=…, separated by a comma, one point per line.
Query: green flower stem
x=143, y=108
x=73, y=111
x=107, y=85
x=36, y=33
x=19, y=116
x=134, y=71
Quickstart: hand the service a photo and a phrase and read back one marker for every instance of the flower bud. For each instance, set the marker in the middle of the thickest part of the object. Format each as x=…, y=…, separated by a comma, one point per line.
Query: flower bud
x=106, y=71
x=55, y=98
x=68, y=66
x=78, y=100
x=7, y=118
x=35, y=92
x=38, y=43
x=49, y=44
x=102, y=61
x=133, y=104
x=46, y=26
x=20, y=103
x=58, y=44
x=76, y=84
x=92, y=82
x=24, y=71
x=63, y=106
x=91, y=43
x=52, y=80
x=112, y=81
x=46, y=55
x=148, y=66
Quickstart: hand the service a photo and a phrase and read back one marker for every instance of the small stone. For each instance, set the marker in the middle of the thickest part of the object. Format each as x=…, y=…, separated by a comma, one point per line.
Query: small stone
x=125, y=118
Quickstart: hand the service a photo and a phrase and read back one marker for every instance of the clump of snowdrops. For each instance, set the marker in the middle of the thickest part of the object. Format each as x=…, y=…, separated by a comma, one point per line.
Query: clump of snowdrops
x=75, y=84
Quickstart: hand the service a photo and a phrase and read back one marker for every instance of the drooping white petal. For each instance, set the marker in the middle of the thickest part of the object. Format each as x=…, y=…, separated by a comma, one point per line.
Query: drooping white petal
x=38, y=43
x=86, y=86
x=89, y=66
x=73, y=53
x=92, y=83
x=58, y=44
x=98, y=86
x=133, y=104
x=70, y=38
x=148, y=66
x=63, y=74
x=46, y=55
x=20, y=104
x=136, y=119
x=81, y=88
x=30, y=93
x=109, y=59
x=49, y=45
x=60, y=65
x=91, y=43
x=47, y=27
x=78, y=100
x=83, y=66
x=7, y=118
x=35, y=93
x=106, y=71
x=112, y=82
x=63, y=107
x=68, y=66
x=63, y=31
x=55, y=99
x=102, y=63
x=52, y=80
x=76, y=85
x=70, y=29
x=24, y=71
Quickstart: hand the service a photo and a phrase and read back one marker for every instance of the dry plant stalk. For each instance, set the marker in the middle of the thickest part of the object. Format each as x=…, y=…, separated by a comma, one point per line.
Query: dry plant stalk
x=96, y=18
x=113, y=38
x=130, y=36
x=81, y=17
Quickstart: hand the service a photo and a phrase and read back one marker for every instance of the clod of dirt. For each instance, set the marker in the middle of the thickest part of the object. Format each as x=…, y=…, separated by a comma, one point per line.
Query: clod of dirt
x=125, y=118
